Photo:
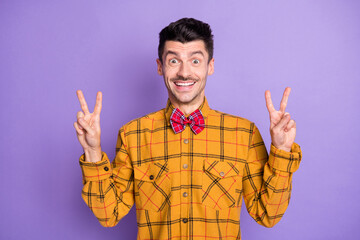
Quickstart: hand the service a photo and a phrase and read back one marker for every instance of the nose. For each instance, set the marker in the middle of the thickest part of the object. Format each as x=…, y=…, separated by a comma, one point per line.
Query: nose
x=184, y=71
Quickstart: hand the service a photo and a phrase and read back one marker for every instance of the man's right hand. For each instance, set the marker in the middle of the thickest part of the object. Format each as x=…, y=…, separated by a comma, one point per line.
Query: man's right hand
x=88, y=128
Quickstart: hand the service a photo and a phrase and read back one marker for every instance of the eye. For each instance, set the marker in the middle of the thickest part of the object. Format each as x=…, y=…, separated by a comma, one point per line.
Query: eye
x=173, y=61
x=196, y=61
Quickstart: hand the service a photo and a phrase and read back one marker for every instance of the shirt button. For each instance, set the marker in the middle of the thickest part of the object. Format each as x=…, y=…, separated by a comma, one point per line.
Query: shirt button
x=185, y=194
x=106, y=168
x=185, y=220
x=186, y=141
x=151, y=177
x=185, y=166
x=222, y=174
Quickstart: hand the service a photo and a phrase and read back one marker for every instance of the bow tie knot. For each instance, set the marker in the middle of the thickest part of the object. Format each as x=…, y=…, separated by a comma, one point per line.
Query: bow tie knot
x=195, y=120
x=187, y=121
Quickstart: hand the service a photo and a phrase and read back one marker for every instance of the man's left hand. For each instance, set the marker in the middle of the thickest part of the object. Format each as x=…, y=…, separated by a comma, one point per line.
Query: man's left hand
x=282, y=127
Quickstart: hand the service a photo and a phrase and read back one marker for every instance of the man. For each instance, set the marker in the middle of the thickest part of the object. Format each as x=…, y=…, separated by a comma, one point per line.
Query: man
x=188, y=167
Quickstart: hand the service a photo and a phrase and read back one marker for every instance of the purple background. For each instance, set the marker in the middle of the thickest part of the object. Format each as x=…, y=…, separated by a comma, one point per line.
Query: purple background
x=49, y=49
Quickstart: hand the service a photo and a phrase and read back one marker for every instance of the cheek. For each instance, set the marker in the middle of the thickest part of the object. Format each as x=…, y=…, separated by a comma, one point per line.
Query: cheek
x=201, y=73
x=169, y=71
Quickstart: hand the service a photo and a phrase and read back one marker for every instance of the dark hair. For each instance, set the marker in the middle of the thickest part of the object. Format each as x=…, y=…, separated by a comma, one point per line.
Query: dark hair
x=186, y=30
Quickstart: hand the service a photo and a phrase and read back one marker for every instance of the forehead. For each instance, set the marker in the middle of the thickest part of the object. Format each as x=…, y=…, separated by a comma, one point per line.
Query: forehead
x=185, y=48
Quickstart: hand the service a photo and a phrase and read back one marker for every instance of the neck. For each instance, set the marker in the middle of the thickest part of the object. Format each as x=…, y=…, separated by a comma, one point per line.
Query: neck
x=188, y=108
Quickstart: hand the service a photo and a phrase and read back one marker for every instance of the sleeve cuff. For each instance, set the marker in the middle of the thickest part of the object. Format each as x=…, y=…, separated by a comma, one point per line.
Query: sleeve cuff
x=285, y=161
x=95, y=171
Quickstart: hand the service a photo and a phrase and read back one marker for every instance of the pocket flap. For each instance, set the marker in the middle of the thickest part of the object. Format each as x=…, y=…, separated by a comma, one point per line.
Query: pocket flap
x=149, y=172
x=221, y=169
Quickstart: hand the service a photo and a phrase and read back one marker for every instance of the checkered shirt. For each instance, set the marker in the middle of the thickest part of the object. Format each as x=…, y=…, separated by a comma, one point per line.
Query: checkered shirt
x=190, y=186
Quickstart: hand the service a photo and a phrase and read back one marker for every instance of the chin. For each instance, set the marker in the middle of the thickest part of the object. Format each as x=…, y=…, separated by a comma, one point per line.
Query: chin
x=185, y=99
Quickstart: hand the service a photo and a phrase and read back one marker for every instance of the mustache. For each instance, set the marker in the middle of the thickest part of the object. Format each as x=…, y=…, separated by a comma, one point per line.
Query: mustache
x=184, y=79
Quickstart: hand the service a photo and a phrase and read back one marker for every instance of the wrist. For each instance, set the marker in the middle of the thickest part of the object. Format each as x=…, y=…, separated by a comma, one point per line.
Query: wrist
x=286, y=149
x=93, y=155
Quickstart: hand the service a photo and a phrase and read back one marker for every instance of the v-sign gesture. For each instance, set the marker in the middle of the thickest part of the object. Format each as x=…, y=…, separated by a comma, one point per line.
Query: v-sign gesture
x=282, y=127
x=88, y=128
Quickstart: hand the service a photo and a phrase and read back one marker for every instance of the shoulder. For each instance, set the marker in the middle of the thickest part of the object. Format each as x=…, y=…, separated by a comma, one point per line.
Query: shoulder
x=229, y=120
x=144, y=121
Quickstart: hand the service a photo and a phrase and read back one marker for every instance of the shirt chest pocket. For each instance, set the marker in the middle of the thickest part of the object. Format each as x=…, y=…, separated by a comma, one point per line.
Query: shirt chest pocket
x=221, y=184
x=152, y=186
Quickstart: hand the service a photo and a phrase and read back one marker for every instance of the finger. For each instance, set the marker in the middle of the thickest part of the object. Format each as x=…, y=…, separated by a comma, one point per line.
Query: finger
x=269, y=103
x=82, y=101
x=85, y=126
x=284, y=99
x=78, y=130
x=98, y=104
x=283, y=122
x=80, y=114
x=290, y=125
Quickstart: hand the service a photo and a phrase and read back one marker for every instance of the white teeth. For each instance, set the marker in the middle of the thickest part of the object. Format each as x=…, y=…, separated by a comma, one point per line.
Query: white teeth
x=185, y=84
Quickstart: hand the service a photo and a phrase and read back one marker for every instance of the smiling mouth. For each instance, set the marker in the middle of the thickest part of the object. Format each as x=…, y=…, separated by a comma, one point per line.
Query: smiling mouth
x=184, y=84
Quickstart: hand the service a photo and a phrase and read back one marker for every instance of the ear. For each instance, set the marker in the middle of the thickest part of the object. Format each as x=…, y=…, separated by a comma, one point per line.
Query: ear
x=211, y=67
x=159, y=67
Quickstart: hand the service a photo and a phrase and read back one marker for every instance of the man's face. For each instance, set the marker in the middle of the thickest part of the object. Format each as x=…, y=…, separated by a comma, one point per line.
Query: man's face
x=185, y=68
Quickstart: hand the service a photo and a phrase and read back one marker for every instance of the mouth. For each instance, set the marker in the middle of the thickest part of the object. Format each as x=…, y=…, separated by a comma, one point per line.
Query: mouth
x=184, y=84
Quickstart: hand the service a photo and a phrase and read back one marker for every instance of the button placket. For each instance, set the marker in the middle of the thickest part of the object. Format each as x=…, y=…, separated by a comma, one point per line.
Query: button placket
x=184, y=181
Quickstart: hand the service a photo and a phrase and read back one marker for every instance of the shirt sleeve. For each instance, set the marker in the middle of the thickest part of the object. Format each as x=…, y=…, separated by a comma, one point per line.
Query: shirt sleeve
x=108, y=187
x=267, y=179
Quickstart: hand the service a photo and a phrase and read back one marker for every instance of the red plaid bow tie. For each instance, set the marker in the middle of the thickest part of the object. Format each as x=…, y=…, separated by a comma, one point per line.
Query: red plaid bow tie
x=195, y=120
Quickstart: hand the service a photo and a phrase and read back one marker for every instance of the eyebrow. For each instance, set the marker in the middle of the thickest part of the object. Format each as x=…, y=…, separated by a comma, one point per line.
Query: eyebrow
x=170, y=52
x=176, y=54
x=198, y=52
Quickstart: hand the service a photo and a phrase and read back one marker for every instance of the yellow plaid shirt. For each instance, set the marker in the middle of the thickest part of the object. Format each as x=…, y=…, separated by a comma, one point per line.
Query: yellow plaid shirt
x=188, y=186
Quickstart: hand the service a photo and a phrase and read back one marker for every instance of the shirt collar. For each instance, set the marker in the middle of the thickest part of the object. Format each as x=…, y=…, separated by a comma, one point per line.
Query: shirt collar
x=204, y=108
